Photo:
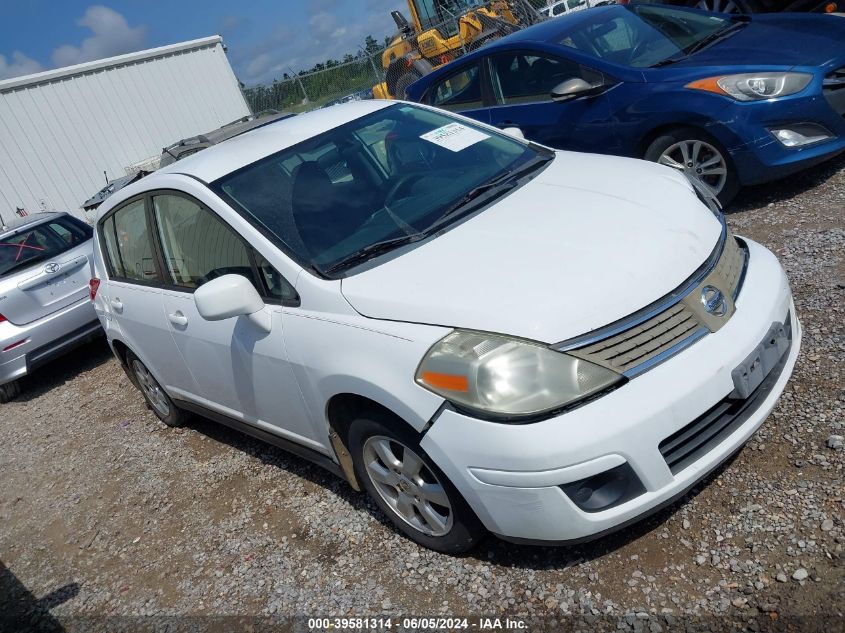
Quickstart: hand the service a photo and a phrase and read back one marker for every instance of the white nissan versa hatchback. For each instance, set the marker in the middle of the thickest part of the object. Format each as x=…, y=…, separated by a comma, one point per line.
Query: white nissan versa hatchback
x=482, y=333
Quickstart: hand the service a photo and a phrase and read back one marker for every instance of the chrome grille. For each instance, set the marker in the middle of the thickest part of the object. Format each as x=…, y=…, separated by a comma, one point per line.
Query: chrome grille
x=658, y=336
x=731, y=264
x=633, y=347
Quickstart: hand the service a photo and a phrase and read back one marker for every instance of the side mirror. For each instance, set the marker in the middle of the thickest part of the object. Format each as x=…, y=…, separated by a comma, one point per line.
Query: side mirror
x=514, y=132
x=572, y=88
x=231, y=296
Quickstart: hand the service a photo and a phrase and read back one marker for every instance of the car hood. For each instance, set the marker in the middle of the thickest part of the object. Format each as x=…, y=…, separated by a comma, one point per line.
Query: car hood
x=588, y=241
x=777, y=40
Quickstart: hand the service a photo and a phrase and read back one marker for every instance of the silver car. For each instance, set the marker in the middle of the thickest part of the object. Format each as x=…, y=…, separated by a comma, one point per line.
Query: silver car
x=45, y=307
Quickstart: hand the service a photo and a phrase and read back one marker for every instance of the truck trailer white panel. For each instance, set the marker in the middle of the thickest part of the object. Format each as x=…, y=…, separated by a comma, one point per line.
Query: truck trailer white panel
x=61, y=129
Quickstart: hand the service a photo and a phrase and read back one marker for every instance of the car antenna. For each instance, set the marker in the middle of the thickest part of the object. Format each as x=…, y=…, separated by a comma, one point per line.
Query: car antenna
x=106, y=176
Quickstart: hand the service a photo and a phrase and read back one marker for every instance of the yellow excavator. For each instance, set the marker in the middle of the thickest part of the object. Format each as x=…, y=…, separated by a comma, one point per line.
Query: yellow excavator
x=440, y=31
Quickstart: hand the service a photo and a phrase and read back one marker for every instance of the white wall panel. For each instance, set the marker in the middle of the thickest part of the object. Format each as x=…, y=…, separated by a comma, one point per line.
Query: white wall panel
x=59, y=130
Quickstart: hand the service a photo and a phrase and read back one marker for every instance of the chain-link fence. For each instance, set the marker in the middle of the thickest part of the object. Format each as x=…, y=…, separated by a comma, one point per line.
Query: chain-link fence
x=297, y=92
x=356, y=76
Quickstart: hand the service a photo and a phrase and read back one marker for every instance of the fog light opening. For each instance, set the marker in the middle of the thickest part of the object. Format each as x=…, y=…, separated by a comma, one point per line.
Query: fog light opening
x=801, y=135
x=605, y=490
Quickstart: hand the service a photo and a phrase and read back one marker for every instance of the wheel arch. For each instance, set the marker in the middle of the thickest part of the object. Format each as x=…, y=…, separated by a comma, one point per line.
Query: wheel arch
x=343, y=409
x=119, y=348
x=713, y=129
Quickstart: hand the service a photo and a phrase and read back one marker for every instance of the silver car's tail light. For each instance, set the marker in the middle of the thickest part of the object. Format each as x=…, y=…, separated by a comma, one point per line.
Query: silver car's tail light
x=93, y=287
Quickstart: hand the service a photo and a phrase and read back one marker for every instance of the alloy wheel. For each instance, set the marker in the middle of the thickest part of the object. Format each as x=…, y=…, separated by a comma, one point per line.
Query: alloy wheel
x=407, y=485
x=699, y=160
x=718, y=6
x=151, y=389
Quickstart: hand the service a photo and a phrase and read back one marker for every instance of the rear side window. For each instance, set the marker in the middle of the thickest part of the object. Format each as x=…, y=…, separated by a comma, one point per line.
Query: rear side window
x=74, y=232
x=461, y=91
x=110, y=247
x=45, y=241
x=131, y=245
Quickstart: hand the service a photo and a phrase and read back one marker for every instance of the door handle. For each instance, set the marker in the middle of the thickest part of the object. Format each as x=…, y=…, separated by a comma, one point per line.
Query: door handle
x=116, y=304
x=177, y=318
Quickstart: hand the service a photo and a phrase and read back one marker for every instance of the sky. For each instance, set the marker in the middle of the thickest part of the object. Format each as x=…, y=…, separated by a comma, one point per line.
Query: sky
x=265, y=38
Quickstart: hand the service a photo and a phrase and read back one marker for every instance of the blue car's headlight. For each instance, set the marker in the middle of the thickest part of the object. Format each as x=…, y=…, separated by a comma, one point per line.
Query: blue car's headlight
x=754, y=86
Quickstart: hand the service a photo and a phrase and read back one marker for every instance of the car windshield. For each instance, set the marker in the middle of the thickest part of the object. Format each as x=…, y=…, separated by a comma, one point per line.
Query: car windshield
x=647, y=35
x=394, y=176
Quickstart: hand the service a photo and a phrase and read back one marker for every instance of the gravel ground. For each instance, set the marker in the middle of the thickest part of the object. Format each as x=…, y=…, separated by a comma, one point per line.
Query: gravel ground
x=105, y=513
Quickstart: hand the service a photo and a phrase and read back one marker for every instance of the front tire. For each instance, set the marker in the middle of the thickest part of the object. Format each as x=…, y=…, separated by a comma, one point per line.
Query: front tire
x=409, y=488
x=9, y=391
x=726, y=6
x=157, y=400
x=699, y=156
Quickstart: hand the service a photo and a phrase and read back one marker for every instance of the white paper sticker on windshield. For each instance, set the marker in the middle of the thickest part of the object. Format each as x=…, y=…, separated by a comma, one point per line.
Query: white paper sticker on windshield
x=454, y=136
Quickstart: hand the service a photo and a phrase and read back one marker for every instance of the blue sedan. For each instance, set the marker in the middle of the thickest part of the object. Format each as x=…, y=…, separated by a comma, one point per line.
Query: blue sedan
x=729, y=100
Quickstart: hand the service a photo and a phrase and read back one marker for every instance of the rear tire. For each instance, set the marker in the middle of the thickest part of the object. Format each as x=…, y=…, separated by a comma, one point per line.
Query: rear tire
x=9, y=391
x=699, y=156
x=409, y=488
x=400, y=74
x=157, y=400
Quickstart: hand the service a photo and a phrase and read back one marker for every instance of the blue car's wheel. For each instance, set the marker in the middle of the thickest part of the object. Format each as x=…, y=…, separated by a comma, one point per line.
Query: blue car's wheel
x=725, y=6
x=700, y=157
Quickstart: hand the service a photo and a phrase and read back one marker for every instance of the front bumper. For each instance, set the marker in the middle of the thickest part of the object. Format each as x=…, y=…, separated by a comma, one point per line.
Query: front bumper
x=45, y=339
x=511, y=474
x=759, y=157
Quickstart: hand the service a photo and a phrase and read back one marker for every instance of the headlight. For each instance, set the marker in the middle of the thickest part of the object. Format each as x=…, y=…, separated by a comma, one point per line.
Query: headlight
x=508, y=377
x=754, y=86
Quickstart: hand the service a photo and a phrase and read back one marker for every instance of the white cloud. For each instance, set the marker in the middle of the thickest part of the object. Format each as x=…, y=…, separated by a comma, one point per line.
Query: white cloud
x=111, y=35
x=330, y=33
x=20, y=64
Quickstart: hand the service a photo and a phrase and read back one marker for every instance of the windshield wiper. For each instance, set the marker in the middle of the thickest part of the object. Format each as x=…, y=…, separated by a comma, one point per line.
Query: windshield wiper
x=740, y=22
x=373, y=250
x=669, y=60
x=498, y=185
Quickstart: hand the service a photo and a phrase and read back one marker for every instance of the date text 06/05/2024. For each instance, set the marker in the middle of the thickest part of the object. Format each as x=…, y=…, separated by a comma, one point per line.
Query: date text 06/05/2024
x=415, y=624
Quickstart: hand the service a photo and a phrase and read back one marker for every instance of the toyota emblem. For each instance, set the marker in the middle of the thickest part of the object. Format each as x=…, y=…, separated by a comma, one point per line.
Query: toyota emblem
x=52, y=268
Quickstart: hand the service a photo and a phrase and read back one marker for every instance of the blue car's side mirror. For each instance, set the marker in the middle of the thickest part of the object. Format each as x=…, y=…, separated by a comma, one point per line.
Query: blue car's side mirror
x=573, y=88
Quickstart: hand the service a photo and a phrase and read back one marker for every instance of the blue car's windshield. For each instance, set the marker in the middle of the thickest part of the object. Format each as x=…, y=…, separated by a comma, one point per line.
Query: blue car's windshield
x=389, y=178
x=648, y=35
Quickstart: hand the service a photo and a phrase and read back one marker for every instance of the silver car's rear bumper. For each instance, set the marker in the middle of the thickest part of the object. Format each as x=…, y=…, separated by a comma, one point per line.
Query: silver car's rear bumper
x=24, y=348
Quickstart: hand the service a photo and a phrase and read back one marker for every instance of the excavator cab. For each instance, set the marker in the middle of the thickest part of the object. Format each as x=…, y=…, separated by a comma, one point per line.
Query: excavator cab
x=441, y=30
